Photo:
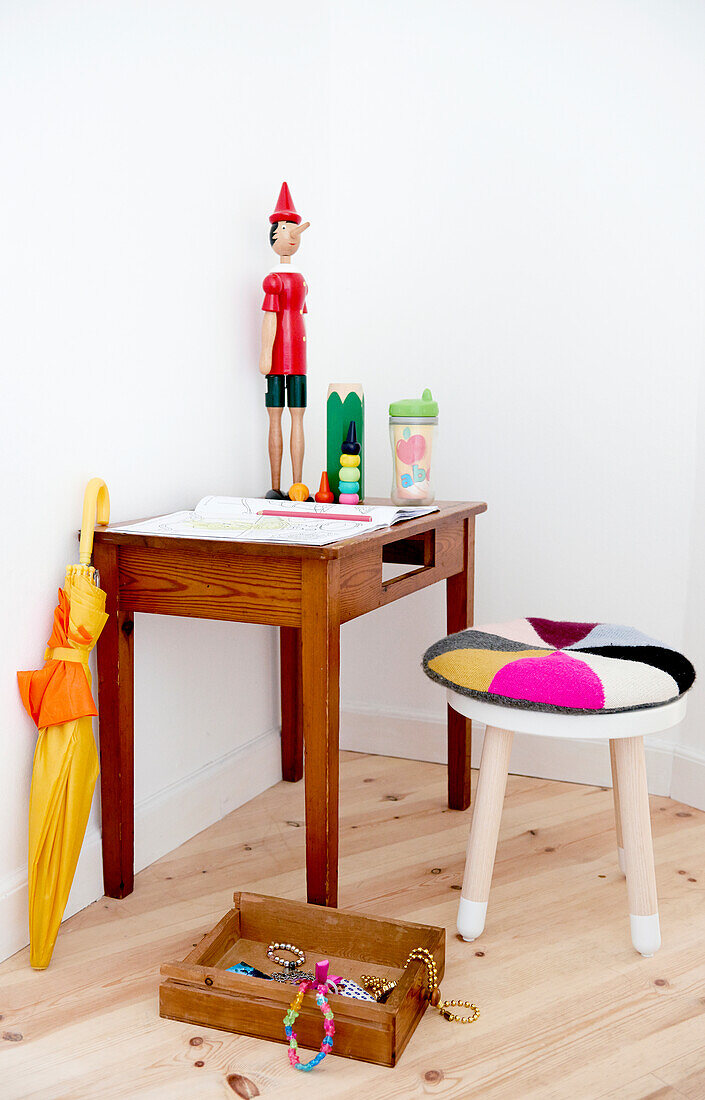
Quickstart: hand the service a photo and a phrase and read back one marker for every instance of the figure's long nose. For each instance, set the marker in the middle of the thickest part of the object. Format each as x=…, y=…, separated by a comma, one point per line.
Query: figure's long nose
x=299, y=229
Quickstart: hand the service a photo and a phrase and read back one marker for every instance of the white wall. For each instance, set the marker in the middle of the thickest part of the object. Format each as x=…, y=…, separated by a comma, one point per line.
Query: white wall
x=528, y=183
x=506, y=204
x=143, y=147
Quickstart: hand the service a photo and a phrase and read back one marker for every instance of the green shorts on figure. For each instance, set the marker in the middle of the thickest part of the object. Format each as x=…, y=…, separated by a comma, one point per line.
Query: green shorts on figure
x=293, y=385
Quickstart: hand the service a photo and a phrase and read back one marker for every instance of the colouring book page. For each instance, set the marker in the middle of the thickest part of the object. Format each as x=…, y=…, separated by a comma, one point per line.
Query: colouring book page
x=239, y=519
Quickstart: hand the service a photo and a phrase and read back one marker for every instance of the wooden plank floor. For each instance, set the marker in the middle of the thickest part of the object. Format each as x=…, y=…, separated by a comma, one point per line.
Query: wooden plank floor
x=569, y=1010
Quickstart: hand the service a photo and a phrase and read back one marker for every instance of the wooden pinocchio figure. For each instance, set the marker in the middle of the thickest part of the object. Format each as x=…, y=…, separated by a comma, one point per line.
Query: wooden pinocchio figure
x=283, y=355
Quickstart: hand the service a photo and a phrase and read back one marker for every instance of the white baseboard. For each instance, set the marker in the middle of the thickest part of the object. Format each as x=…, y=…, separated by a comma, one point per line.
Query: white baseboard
x=162, y=822
x=688, y=781
x=393, y=734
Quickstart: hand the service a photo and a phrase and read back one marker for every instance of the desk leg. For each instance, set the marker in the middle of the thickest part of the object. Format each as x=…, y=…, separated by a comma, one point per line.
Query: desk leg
x=320, y=692
x=116, y=729
x=292, y=748
x=459, y=612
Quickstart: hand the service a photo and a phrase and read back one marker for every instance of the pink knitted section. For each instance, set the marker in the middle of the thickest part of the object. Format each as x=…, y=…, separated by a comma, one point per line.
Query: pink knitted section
x=518, y=630
x=557, y=679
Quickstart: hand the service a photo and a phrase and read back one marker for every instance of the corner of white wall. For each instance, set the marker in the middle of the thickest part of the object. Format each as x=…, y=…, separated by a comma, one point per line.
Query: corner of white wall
x=163, y=821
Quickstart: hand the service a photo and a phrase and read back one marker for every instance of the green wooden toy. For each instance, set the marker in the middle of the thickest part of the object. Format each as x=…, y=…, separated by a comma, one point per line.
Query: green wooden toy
x=345, y=403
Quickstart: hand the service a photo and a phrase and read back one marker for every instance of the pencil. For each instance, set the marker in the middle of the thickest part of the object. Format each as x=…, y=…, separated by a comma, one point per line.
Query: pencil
x=316, y=515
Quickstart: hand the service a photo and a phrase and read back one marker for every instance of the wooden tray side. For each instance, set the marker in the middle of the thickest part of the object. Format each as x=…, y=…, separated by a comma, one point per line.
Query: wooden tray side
x=370, y=939
x=366, y=1036
x=215, y=943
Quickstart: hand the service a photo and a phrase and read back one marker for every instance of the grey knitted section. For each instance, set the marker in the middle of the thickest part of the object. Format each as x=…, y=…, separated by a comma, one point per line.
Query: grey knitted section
x=479, y=639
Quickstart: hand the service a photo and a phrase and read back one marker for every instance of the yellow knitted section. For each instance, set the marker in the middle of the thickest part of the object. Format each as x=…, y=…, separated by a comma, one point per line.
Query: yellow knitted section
x=476, y=668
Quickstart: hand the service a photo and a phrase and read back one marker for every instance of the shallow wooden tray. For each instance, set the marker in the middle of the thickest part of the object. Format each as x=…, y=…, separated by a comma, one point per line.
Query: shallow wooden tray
x=200, y=990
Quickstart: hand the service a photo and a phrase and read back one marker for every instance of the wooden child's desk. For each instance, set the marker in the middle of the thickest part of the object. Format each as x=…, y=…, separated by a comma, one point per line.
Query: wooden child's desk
x=308, y=592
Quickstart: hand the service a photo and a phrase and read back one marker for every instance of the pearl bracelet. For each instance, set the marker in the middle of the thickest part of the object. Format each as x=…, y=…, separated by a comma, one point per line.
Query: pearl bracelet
x=288, y=964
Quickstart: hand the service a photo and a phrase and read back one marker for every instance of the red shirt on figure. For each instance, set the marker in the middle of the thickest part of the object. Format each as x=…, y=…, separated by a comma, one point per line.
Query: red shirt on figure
x=285, y=294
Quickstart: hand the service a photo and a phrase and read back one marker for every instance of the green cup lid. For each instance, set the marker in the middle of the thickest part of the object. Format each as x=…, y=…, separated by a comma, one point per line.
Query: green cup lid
x=415, y=406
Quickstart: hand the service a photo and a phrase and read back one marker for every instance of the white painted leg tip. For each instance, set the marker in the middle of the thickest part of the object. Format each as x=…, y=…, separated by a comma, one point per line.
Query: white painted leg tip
x=471, y=918
x=621, y=861
x=646, y=934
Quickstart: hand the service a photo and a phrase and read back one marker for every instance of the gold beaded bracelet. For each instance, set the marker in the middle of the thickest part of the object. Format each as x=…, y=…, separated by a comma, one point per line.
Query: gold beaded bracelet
x=380, y=986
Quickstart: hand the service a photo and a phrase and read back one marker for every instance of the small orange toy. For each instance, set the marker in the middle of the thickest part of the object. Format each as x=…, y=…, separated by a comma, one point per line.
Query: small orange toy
x=299, y=491
x=324, y=495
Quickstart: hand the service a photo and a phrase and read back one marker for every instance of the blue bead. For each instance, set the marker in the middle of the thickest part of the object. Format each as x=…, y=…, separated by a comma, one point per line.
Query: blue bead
x=350, y=486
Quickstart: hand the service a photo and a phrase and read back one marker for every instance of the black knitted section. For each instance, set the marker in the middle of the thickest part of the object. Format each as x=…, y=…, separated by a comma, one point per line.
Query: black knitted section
x=668, y=660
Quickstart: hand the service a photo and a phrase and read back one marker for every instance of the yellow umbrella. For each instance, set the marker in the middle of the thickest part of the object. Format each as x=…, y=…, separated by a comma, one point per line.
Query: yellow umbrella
x=58, y=698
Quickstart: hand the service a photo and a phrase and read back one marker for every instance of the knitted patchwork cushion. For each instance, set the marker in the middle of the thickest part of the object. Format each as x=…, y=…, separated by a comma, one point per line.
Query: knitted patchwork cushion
x=538, y=664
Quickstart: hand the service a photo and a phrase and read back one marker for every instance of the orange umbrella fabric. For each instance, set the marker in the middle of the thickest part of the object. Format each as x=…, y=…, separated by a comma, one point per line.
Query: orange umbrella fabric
x=61, y=690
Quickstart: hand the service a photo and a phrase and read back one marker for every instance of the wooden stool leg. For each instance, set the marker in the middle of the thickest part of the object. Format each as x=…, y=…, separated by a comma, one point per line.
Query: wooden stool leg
x=484, y=831
x=638, y=847
x=617, y=811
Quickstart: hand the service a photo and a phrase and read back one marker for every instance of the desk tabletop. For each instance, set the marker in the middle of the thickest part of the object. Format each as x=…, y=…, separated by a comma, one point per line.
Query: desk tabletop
x=448, y=510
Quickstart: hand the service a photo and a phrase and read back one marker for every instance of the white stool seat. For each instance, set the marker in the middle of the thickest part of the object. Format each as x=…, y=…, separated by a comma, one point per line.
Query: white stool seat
x=587, y=727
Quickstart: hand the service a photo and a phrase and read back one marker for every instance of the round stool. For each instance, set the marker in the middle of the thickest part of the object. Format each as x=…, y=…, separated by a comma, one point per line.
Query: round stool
x=570, y=680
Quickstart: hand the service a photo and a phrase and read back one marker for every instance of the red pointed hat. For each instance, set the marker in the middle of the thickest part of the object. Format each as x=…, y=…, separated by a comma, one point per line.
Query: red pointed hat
x=285, y=211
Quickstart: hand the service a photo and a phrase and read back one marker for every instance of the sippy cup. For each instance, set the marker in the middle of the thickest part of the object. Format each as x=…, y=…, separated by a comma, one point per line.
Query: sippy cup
x=412, y=425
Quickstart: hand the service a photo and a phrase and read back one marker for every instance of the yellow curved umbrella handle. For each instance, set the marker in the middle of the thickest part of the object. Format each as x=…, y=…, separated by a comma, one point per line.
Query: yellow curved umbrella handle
x=96, y=509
